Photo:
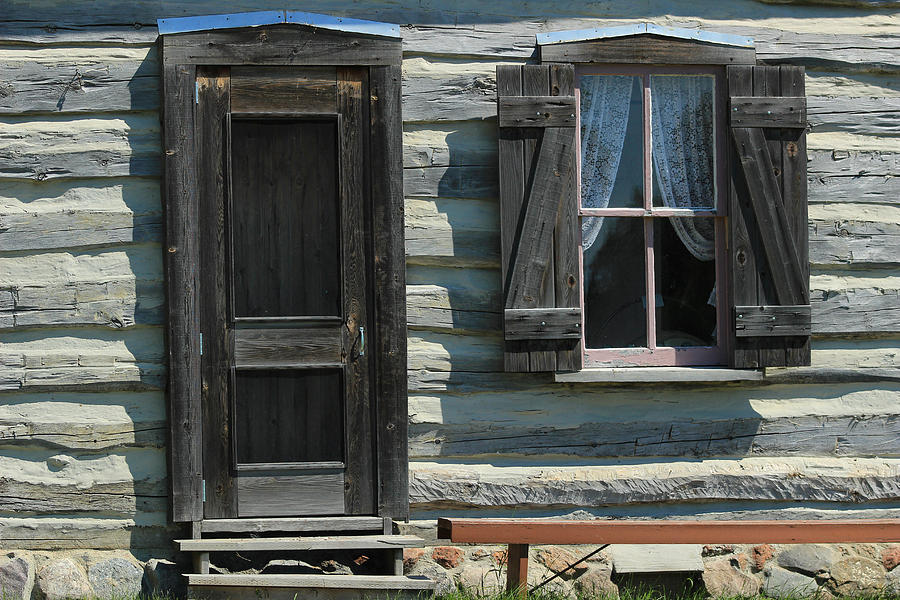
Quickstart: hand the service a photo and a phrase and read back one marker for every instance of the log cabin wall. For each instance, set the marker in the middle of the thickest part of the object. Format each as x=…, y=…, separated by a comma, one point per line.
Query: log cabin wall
x=82, y=414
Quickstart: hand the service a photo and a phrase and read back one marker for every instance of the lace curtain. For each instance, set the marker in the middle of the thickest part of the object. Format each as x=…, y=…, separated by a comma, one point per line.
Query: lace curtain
x=605, y=103
x=681, y=127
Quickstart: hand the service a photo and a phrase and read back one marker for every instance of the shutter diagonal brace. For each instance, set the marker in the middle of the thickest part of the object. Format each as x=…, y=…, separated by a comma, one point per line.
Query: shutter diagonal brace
x=553, y=180
x=768, y=206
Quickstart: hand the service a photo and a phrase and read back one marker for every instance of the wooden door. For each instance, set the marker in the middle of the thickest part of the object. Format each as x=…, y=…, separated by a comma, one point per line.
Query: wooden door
x=284, y=292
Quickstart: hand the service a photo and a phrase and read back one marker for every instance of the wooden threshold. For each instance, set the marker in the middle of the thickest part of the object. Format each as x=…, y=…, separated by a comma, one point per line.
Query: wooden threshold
x=291, y=524
x=524, y=531
x=358, y=582
x=334, y=542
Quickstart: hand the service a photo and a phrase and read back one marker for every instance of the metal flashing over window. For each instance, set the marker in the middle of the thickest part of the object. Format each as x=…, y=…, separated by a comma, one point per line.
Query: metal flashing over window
x=583, y=35
x=274, y=17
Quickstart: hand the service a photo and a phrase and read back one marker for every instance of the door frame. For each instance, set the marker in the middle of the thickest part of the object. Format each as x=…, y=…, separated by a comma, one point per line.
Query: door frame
x=378, y=50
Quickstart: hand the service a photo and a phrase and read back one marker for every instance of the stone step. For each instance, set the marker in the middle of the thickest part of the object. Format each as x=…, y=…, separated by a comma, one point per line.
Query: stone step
x=297, y=524
x=331, y=542
x=292, y=587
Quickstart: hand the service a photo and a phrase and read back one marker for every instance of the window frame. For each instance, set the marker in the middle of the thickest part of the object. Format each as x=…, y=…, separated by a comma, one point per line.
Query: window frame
x=652, y=354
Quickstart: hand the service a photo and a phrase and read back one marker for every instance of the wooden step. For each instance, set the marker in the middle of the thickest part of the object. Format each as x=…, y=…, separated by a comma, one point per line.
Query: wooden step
x=292, y=524
x=295, y=587
x=353, y=582
x=332, y=542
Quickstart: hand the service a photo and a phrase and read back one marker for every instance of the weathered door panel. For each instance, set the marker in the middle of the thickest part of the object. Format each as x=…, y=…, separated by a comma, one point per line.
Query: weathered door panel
x=289, y=400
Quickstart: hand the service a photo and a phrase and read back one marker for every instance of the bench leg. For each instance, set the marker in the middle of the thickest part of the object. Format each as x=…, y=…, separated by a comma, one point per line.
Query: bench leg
x=517, y=569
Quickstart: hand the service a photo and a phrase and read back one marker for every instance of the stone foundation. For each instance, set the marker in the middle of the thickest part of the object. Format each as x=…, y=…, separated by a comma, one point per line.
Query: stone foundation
x=728, y=570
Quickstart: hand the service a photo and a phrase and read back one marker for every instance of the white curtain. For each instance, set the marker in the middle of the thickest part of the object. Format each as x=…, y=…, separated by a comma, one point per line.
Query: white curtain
x=605, y=103
x=681, y=127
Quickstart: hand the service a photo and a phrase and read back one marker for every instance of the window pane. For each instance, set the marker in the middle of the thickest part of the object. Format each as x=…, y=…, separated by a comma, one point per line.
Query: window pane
x=683, y=140
x=289, y=416
x=614, y=284
x=611, y=141
x=685, y=282
x=285, y=221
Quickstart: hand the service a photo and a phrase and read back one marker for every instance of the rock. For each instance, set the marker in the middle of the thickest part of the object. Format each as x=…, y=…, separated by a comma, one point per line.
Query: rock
x=893, y=582
x=280, y=566
x=16, y=578
x=890, y=557
x=333, y=567
x=857, y=576
x=809, y=559
x=479, y=553
x=596, y=582
x=63, y=580
x=558, y=560
x=443, y=579
x=717, y=549
x=499, y=557
x=164, y=578
x=483, y=581
x=115, y=578
x=411, y=556
x=721, y=578
x=447, y=556
x=781, y=583
x=761, y=554
x=538, y=573
x=740, y=561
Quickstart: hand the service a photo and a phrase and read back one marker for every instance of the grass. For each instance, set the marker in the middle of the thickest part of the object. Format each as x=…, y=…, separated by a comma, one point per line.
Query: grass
x=638, y=593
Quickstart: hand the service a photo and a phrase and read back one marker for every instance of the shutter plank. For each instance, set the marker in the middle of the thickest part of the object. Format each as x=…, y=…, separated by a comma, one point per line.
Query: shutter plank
x=537, y=111
x=743, y=235
x=536, y=82
x=542, y=323
x=794, y=193
x=752, y=111
x=772, y=321
x=512, y=194
x=568, y=235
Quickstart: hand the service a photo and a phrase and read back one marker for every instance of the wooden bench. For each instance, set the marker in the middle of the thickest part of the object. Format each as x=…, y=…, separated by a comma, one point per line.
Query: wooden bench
x=518, y=534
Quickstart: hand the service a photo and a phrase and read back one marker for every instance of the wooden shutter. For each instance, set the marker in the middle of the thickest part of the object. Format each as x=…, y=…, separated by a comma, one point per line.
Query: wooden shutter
x=768, y=235
x=539, y=220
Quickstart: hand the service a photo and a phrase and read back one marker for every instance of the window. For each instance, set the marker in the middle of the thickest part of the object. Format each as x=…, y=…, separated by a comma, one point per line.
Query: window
x=650, y=173
x=653, y=203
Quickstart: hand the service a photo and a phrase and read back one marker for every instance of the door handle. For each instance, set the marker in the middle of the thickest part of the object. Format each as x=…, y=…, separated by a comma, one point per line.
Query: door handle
x=362, y=341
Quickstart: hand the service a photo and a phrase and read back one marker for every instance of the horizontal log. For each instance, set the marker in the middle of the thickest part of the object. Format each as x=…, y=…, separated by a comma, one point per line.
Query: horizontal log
x=760, y=479
x=456, y=143
x=452, y=232
x=861, y=354
x=79, y=80
x=99, y=359
x=855, y=311
x=71, y=229
x=464, y=382
x=146, y=531
x=79, y=421
x=42, y=481
x=797, y=436
x=452, y=182
x=433, y=351
x=860, y=116
x=461, y=309
x=116, y=288
x=84, y=146
x=853, y=242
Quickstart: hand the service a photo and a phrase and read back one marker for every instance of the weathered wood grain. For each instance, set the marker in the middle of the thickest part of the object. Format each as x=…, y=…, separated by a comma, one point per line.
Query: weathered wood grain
x=116, y=288
x=83, y=146
x=146, y=530
x=456, y=308
x=740, y=436
x=853, y=242
x=77, y=229
x=458, y=232
x=860, y=116
x=53, y=80
x=441, y=351
x=79, y=421
x=855, y=311
x=456, y=143
x=121, y=484
x=98, y=359
x=451, y=182
x=761, y=479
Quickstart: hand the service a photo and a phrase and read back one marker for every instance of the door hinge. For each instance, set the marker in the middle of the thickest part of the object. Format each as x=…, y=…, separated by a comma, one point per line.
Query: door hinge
x=201, y=343
x=203, y=488
x=196, y=92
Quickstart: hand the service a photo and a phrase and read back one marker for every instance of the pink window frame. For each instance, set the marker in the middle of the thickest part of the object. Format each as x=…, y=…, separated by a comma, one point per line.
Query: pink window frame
x=654, y=355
